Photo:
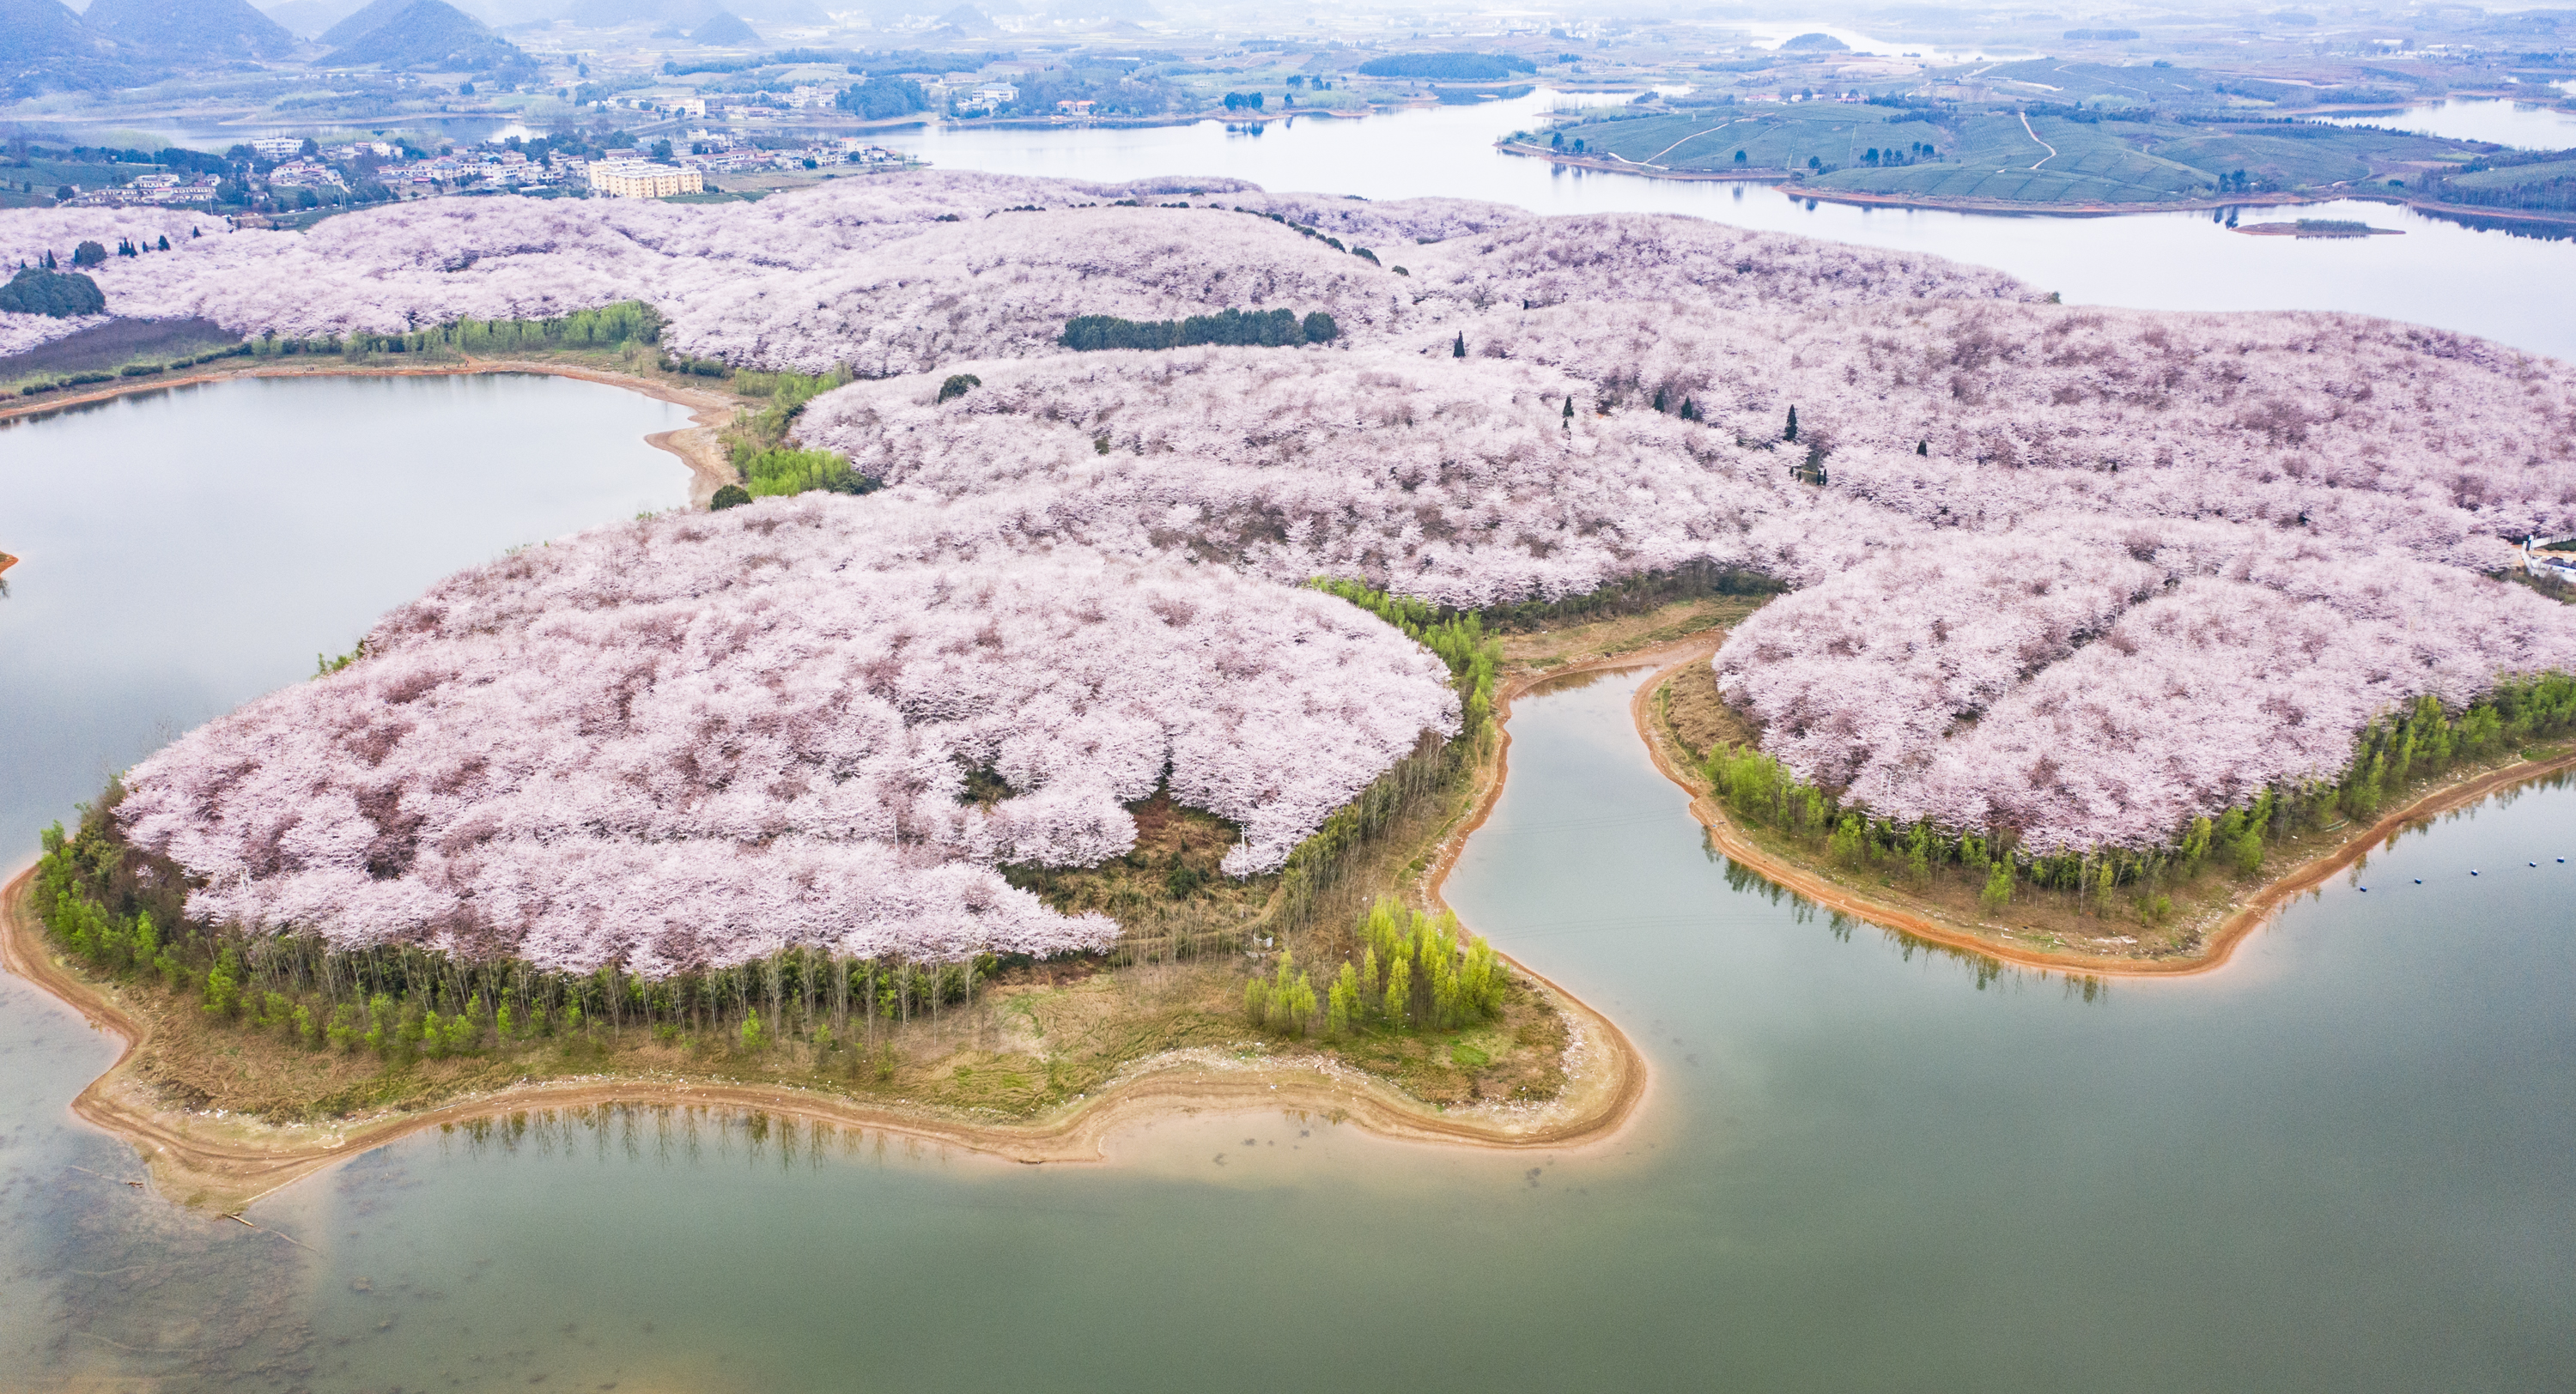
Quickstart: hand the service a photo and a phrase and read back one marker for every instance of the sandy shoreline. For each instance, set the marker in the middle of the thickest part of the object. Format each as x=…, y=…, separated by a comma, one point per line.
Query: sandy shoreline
x=2216, y=947
x=225, y=1164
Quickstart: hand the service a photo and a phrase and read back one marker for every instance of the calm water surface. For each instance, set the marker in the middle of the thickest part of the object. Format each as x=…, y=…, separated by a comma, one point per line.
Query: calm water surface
x=2343, y=1162
x=2528, y=125
x=184, y=551
x=2520, y=291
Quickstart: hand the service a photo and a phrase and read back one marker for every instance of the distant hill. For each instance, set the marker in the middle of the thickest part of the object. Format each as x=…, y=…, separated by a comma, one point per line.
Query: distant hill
x=609, y=14
x=429, y=35
x=726, y=29
x=44, y=47
x=361, y=20
x=189, y=30
x=1814, y=43
x=1448, y=67
x=34, y=30
x=309, y=18
x=966, y=19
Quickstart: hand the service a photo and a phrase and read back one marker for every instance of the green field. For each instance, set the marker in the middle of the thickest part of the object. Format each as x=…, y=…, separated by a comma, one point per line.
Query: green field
x=2052, y=155
x=1771, y=137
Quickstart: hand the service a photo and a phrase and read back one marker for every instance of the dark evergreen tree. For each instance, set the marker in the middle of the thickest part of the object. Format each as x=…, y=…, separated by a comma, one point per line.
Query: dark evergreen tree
x=88, y=254
x=1659, y=399
x=730, y=496
x=1792, y=432
x=1459, y=349
x=1690, y=410
x=1569, y=408
x=1922, y=447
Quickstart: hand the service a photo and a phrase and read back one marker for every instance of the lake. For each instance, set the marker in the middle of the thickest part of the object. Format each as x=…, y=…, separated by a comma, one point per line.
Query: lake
x=2520, y=291
x=186, y=550
x=2340, y=1162
x=2525, y=125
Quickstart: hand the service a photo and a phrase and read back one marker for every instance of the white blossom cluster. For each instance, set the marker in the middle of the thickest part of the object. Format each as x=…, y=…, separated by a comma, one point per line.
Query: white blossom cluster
x=900, y=273
x=694, y=739
x=2103, y=502
x=2075, y=573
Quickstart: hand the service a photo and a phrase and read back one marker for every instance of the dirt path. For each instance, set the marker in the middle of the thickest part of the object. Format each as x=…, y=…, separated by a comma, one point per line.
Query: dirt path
x=2216, y=948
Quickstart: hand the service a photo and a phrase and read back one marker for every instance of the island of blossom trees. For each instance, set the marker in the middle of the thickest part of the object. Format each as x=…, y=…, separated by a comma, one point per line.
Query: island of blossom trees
x=2080, y=574
x=698, y=739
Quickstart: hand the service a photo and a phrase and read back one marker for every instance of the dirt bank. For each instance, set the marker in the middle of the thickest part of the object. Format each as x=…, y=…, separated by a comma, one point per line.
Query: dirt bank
x=2215, y=947
x=223, y=1163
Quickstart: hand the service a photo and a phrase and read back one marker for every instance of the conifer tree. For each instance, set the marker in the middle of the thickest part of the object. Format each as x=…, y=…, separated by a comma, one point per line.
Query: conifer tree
x=1459, y=349
x=1792, y=432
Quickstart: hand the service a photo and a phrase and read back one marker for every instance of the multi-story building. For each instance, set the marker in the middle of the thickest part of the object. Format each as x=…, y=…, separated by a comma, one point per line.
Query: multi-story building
x=641, y=179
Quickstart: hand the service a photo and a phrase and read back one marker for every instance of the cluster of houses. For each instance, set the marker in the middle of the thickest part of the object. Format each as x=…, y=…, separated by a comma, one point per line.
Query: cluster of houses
x=151, y=190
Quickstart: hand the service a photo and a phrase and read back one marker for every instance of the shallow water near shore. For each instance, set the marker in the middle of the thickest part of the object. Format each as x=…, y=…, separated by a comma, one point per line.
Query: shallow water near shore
x=2340, y=1162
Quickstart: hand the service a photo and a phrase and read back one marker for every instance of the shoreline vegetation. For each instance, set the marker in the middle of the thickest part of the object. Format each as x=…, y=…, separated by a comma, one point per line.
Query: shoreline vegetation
x=1786, y=182
x=2167, y=920
x=229, y=1090
x=715, y=409
x=177, y=1088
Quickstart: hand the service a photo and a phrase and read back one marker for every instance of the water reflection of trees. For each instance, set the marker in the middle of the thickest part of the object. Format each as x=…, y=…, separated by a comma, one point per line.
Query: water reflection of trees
x=688, y=1135
x=1984, y=970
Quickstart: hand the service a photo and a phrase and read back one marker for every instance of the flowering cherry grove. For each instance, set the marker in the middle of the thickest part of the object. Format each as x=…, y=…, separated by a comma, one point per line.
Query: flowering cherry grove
x=695, y=739
x=896, y=274
x=2082, y=574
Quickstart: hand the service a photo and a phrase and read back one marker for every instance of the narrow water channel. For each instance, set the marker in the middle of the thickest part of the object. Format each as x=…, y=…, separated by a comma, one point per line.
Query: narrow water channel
x=2339, y=1163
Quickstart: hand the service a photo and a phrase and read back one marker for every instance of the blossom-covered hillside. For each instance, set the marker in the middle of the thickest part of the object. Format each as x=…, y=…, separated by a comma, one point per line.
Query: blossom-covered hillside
x=2021, y=505
x=899, y=273
x=2077, y=574
x=692, y=740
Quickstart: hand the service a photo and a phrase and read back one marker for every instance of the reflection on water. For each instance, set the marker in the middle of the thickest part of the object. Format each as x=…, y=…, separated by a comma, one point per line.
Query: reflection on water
x=2527, y=125
x=2337, y=1164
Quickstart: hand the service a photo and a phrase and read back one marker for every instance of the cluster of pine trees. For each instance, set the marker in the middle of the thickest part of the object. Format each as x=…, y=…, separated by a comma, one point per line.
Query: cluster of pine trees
x=2423, y=741
x=1258, y=329
x=1416, y=972
x=402, y=1002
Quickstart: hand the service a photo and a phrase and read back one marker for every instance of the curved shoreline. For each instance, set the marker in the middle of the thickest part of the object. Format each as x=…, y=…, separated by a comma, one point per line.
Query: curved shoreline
x=2216, y=948
x=198, y=1163
x=695, y=444
x=1786, y=182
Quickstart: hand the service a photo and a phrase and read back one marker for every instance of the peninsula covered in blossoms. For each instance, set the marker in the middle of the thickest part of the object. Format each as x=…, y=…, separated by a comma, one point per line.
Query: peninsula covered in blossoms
x=1132, y=573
